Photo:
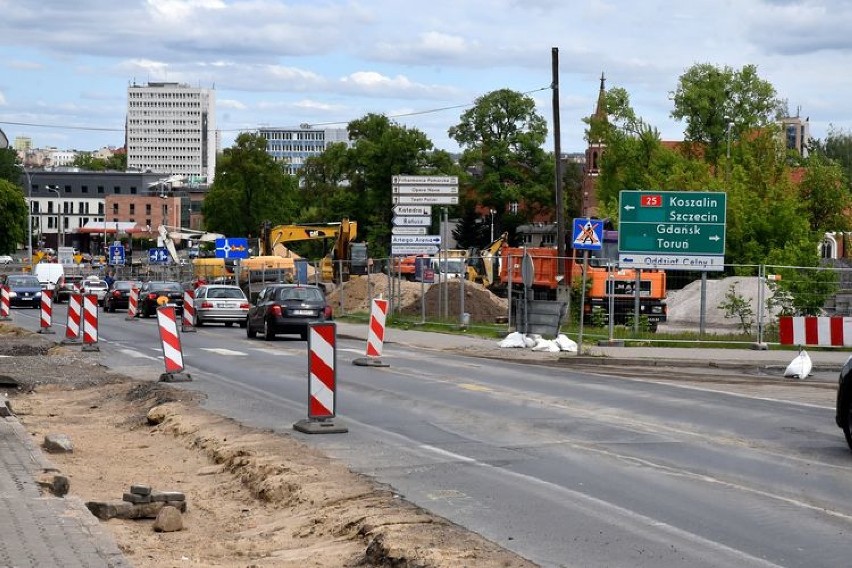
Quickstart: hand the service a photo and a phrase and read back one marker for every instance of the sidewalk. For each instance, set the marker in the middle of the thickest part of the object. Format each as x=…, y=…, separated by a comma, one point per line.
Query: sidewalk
x=39, y=530
x=830, y=361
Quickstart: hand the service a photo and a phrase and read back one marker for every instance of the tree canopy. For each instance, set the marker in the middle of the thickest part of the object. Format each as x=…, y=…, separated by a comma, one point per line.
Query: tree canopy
x=249, y=188
x=13, y=217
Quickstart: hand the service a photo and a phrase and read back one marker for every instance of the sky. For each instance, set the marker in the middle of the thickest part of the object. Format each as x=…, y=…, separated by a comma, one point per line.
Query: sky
x=65, y=66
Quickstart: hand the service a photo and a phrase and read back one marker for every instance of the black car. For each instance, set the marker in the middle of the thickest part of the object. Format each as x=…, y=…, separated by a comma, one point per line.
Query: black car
x=286, y=308
x=843, y=417
x=158, y=293
x=118, y=295
x=66, y=286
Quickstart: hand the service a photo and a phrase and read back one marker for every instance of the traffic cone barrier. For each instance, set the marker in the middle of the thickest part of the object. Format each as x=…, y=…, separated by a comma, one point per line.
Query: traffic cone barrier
x=90, y=323
x=46, y=312
x=375, y=336
x=322, y=381
x=172, y=351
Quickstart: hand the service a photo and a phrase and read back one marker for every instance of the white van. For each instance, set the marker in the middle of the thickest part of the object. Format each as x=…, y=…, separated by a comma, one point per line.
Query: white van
x=48, y=273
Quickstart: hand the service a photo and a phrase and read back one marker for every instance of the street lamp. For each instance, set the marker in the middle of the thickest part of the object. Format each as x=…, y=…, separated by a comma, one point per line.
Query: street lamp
x=29, y=215
x=728, y=152
x=492, y=211
x=60, y=237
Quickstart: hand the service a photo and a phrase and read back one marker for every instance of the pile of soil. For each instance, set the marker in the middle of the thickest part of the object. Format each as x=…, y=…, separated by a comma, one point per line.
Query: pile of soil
x=356, y=295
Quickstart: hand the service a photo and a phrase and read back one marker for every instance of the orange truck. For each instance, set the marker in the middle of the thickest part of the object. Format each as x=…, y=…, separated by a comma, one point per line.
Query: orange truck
x=602, y=283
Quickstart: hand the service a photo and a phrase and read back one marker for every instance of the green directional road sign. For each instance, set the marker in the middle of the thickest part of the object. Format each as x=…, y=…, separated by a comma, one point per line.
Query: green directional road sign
x=682, y=230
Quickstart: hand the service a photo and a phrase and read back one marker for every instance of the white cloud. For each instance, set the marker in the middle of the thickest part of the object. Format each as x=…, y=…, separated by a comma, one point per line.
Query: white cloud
x=230, y=103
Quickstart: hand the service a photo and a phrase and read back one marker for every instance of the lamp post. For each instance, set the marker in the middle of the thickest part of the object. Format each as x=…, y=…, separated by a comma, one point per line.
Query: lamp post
x=60, y=240
x=728, y=153
x=29, y=216
x=492, y=212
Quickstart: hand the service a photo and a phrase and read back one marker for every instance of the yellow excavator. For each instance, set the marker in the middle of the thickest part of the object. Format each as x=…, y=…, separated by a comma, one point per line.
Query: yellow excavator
x=345, y=257
x=483, y=265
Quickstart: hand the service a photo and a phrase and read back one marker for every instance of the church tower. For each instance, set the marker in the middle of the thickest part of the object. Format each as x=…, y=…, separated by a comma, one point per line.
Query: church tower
x=594, y=152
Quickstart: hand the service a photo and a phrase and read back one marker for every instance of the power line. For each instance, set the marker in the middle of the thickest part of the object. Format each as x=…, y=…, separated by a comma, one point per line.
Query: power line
x=401, y=115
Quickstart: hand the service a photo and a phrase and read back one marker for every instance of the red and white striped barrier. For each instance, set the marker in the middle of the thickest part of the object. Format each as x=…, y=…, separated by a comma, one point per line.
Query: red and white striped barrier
x=172, y=351
x=322, y=381
x=833, y=331
x=132, y=304
x=376, y=334
x=5, y=303
x=46, y=312
x=90, y=323
x=72, y=322
x=188, y=316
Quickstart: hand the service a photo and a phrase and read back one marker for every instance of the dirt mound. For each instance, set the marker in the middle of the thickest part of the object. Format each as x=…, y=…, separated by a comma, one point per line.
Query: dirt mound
x=482, y=305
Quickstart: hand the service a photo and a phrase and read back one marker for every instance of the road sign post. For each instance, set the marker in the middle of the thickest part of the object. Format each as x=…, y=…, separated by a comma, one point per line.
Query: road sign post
x=673, y=230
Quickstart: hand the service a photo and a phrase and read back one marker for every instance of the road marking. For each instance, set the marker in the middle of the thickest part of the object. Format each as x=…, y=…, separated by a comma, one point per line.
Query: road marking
x=137, y=355
x=228, y=352
x=475, y=388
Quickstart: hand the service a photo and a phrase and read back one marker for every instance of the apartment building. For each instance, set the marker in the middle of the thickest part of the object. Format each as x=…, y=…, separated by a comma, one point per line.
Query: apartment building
x=292, y=146
x=171, y=130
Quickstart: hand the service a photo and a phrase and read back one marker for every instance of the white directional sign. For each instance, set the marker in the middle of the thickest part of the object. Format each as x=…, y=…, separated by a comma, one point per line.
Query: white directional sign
x=416, y=240
x=432, y=180
x=425, y=189
x=412, y=210
x=425, y=199
x=414, y=249
x=408, y=230
x=412, y=221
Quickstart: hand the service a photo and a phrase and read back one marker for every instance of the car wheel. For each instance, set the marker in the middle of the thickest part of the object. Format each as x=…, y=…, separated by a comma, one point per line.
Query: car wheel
x=847, y=428
x=268, y=332
x=250, y=332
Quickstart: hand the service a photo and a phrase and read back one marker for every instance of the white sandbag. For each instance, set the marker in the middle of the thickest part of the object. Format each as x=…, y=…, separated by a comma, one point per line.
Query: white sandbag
x=531, y=340
x=546, y=345
x=800, y=367
x=514, y=339
x=565, y=343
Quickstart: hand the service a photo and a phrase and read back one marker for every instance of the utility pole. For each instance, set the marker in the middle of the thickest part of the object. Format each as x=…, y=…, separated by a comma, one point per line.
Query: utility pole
x=557, y=151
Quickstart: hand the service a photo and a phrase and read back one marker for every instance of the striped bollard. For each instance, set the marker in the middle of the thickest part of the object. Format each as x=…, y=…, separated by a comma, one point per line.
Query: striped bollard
x=322, y=381
x=90, y=323
x=375, y=336
x=132, y=304
x=46, y=312
x=5, y=303
x=72, y=322
x=187, y=322
x=172, y=352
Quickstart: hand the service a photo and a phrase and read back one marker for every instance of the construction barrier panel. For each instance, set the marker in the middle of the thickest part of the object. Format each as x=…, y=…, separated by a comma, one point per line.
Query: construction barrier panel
x=90, y=322
x=46, y=312
x=322, y=381
x=172, y=349
x=376, y=333
x=833, y=331
x=5, y=303
x=72, y=321
x=132, y=304
x=188, y=316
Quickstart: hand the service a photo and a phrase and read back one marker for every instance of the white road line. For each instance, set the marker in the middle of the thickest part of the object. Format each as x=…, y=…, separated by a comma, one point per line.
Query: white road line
x=138, y=355
x=227, y=352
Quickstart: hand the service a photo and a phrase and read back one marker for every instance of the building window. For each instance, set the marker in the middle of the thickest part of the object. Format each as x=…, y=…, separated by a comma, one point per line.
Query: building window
x=85, y=189
x=100, y=189
x=133, y=190
x=67, y=189
x=115, y=208
x=147, y=209
x=116, y=190
x=132, y=208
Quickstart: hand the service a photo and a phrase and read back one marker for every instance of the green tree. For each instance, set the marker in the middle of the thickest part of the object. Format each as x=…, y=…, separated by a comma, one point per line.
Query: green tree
x=13, y=217
x=249, y=188
x=825, y=192
x=837, y=146
x=502, y=137
x=9, y=168
x=709, y=99
x=87, y=161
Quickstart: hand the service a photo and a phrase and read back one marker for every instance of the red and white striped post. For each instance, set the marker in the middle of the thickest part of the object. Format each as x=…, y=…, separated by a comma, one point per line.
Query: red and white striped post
x=375, y=335
x=172, y=352
x=90, y=323
x=132, y=304
x=5, y=303
x=322, y=381
x=46, y=312
x=72, y=322
x=188, y=316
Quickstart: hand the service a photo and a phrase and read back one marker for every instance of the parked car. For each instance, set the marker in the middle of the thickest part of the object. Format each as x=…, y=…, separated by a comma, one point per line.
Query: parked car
x=65, y=286
x=6, y=259
x=157, y=293
x=94, y=286
x=118, y=296
x=24, y=290
x=220, y=303
x=286, y=308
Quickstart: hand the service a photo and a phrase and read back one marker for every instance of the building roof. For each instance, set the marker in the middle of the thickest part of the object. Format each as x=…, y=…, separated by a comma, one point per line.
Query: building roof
x=112, y=227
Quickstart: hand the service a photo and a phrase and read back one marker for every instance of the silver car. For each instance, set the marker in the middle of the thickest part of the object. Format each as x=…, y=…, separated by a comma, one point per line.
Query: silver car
x=95, y=287
x=220, y=303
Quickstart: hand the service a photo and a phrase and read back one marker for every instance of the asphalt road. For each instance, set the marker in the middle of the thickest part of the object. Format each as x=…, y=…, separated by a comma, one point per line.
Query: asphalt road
x=566, y=468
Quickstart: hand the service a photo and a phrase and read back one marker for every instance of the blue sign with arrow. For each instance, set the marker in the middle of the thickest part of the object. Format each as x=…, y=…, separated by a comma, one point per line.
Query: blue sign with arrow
x=232, y=248
x=158, y=255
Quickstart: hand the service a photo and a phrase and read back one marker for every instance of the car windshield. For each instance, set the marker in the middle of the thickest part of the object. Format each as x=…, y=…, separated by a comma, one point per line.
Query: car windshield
x=311, y=294
x=122, y=285
x=224, y=293
x=96, y=285
x=31, y=281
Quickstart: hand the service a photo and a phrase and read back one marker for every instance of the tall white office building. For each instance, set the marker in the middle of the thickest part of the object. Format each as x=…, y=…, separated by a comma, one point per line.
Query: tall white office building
x=171, y=130
x=292, y=146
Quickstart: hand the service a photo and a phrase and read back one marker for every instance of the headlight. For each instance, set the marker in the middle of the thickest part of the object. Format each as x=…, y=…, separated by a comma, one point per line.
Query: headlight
x=13, y=294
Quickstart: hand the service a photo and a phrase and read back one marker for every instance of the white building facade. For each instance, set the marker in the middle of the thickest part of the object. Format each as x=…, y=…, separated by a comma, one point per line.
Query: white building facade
x=292, y=146
x=171, y=129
